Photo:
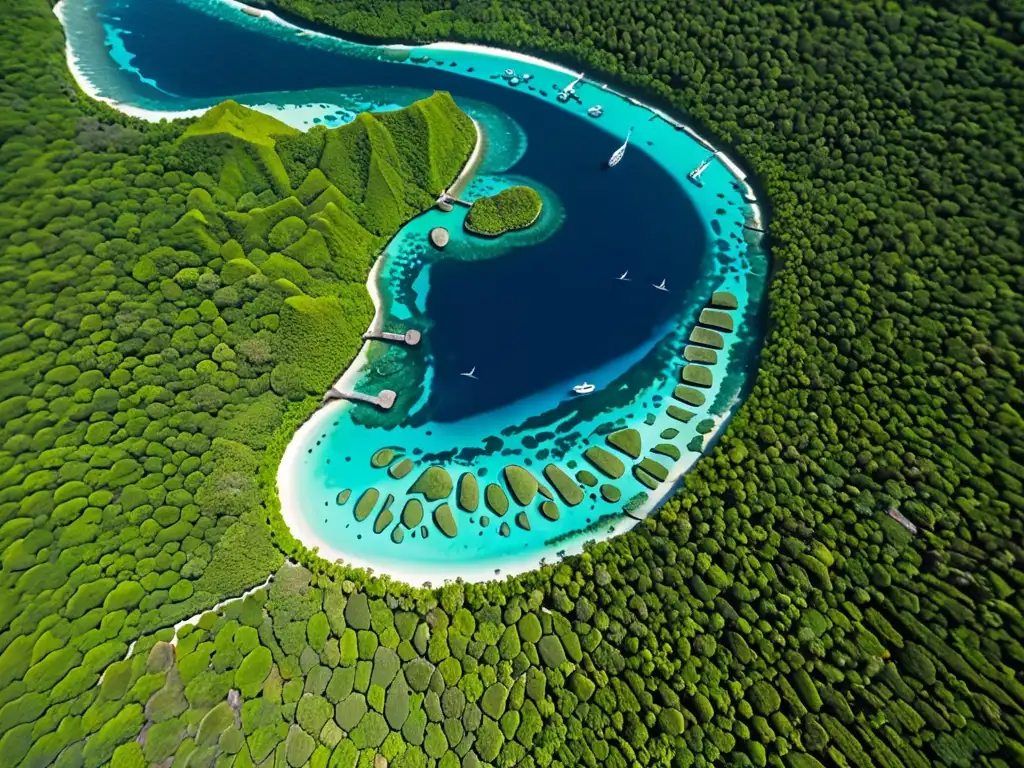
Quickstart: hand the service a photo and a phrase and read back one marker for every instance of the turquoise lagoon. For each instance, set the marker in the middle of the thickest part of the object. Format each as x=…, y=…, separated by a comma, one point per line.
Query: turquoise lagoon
x=535, y=312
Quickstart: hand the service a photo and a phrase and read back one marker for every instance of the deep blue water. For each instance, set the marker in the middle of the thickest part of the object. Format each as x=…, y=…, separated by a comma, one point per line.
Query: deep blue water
x=539, y=315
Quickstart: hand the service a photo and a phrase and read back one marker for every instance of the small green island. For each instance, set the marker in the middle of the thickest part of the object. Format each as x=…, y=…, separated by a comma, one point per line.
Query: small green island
x=511, y=209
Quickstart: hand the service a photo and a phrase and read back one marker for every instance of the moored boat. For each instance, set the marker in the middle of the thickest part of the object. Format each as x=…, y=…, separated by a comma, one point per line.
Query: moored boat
x=618, y=153
x=584, y=388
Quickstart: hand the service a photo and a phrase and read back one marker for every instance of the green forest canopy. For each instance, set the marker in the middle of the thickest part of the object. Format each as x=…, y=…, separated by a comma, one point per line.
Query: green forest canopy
x=771, y=613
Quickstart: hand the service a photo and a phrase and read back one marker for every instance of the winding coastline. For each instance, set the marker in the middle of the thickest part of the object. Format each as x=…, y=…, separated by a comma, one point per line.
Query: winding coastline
x=350, y=376
x=288, y=479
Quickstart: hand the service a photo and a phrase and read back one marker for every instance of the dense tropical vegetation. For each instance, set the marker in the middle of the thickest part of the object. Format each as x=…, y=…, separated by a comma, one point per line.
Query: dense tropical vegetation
x=510, y=209
x=162, y=282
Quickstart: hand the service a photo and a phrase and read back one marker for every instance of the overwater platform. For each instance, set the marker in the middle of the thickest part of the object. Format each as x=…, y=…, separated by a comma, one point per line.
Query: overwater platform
x=410, y=338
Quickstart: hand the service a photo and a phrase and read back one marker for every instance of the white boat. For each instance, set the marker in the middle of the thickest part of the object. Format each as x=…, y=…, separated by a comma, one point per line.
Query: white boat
x=584, y=388
x=595, y=111
x=509, y=74
x=514, y=81
x=527, y=77
x=696, y=173
x=618, y=153
x=661, y=286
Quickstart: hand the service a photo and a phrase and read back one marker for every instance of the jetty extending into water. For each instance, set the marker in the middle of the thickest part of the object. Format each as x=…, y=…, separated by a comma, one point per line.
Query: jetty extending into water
x=383, y=400
x=410, y=338
x=448, y=199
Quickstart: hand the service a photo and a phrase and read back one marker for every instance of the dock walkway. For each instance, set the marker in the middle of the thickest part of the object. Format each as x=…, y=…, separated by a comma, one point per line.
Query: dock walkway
x=410, y=338
x=446, y=198
x=383, y=400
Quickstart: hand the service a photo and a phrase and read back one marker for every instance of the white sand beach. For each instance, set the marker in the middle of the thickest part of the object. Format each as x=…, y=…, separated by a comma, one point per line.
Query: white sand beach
x=488, y=50
x=90, y=90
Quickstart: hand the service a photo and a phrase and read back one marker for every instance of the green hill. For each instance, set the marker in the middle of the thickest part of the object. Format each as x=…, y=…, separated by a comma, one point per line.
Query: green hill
x=438, y=124
x=313, y=209
x=230, y=118
x=236, y=145
x=380, y=169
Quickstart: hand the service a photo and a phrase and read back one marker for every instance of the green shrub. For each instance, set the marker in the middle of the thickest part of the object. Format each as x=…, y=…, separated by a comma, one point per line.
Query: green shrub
x=496, y=499
x=434, y=743
x=764, y=698
x=697, y=375
x=299, y=745
x=341, y=683
x=488, y=740
x=511, y=209
x=627, y=441
x=469, y=492
x=397, y=703
x=417, y=674
x=253, y=671
x=529, y=628
x=385, y=666
x=312, y=712
x=317, y=631
x=162, y=740
x=350, y=711
x=213, y=723
x=568, y=491
x=687, y=395
x=716, y=319
x=435, y=484
x=382, y=458
x=412, y=513
x=521, y=483
x=370, y=732
x=608, y=464
x=357, y=611
x=445, y=521
x=493, y=701
x=401, y=468
x=701, y=355
x=552, y=654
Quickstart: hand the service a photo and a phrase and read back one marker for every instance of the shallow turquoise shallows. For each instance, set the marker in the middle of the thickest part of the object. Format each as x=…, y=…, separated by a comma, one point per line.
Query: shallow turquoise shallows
x=534, y=312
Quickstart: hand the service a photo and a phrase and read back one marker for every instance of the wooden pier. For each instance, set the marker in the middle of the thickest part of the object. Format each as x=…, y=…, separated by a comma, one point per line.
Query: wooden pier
x=384, y=399
x=447, y=199
x=410, y=338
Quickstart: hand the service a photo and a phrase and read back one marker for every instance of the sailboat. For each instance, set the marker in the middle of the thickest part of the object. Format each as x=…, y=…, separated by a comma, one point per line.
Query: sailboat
x=471, y=374
x=623, y=276
x=617, y=155
x=661, y=286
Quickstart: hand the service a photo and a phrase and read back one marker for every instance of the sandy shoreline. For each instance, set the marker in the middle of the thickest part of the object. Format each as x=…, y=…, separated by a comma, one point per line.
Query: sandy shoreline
x=350, y=377
x=488, y=50
x=470, y=168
